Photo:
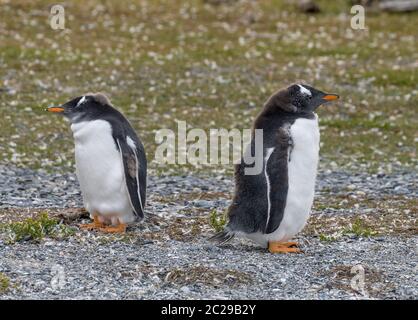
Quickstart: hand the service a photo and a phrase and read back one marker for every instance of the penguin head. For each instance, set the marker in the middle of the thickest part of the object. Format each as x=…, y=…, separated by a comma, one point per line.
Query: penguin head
x=299, y=98
x=82, y=108
x=306, y=98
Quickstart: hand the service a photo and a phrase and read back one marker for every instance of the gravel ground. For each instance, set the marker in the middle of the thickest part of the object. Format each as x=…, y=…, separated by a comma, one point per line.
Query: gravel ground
x=29, y=188
x=166, y=258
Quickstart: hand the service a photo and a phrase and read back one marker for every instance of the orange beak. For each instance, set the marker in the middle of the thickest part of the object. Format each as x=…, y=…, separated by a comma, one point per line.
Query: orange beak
x=55, y=109
x=330, y=97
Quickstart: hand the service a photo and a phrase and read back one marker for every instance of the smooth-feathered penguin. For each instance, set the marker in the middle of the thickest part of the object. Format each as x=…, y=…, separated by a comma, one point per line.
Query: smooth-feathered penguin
x=274, y=205
x=111, y=165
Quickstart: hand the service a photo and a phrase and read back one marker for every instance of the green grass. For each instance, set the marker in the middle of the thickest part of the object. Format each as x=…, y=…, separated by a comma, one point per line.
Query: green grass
x=360, y=229
x=326, y=238
x=213, y=67
x=36, y=229
x=4, y=283
x=217, y=220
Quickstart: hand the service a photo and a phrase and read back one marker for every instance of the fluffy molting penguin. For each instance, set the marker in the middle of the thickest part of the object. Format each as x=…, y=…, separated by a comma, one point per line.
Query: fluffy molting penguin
x=274, y=205
x=111, y=165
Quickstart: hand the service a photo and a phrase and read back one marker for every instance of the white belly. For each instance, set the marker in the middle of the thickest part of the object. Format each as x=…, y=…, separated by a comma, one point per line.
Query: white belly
x=100, y=172
x=302, y=169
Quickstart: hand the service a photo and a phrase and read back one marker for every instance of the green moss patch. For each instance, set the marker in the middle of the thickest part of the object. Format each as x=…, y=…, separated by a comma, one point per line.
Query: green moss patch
x=4, y=283
x=37, y=228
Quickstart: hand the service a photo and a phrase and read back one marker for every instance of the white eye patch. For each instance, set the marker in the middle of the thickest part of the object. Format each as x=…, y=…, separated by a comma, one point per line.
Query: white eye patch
x=303, y=90
x=82, y=100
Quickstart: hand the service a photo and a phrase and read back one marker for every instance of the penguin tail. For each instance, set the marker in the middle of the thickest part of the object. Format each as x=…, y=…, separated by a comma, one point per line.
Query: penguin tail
x=222, y=237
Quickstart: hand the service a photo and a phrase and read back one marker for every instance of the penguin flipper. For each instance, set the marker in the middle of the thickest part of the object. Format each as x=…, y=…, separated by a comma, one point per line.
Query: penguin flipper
x=276, y=173
x=222, y=237
x=131, y=165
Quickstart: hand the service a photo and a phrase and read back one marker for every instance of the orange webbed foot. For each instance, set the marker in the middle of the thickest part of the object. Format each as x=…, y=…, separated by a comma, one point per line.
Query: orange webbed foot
x=284, y=247
x=120, y=228
x=290, y=244
x=92, y=226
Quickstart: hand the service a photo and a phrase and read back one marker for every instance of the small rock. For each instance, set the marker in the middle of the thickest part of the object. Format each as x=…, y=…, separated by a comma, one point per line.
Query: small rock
x=185, y=289
x=204, y=204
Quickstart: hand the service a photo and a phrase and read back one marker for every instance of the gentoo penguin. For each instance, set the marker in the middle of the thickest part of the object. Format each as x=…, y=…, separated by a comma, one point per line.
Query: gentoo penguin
x=273, y=206
x=111, y=165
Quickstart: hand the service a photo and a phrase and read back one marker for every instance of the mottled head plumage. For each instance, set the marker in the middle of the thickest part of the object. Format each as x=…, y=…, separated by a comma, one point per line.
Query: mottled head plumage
x=100, y=98
x=297, y=98
x=84, y=108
